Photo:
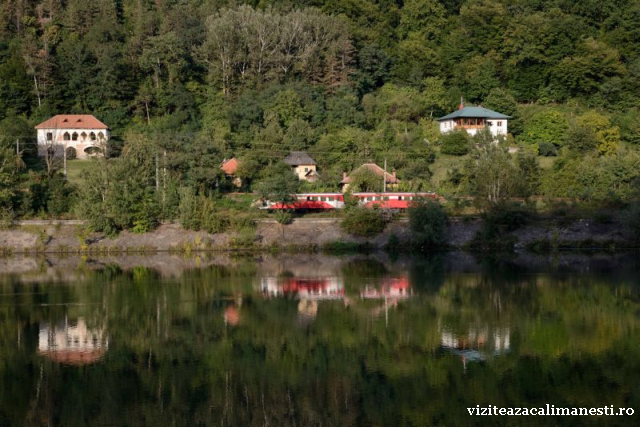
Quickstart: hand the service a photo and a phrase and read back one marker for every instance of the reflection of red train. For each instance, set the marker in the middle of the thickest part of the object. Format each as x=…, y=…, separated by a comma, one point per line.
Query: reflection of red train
x=304, y=288
x=329, y=201
x=390, y=288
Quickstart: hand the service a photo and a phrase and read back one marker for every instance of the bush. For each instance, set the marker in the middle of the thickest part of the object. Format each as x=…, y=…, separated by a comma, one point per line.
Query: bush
x=427, y=222
x=631, y=220
x=71, y=153
x=363, y=222
x=547, y=149
x=497, y=223
x=455, y=143
x=508, y=217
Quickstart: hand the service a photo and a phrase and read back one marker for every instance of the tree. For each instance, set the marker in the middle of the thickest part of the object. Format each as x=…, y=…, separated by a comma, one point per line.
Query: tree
x=427, y=222
x=529, y=171
x=365, y=180
x=456, y=143
x=492, y=173
x=279, y=184
x=8, y=179
x=503, y=102
x=546, y=126
x=363, y=222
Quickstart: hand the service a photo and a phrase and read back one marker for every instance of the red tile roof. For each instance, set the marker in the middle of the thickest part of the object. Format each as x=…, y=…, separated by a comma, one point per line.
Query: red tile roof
x=72, y=121
x=230, y=166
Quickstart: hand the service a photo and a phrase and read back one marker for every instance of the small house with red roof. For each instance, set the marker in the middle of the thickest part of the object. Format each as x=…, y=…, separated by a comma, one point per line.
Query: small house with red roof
x=389, y=178
x=230, y=167
x=85, y=133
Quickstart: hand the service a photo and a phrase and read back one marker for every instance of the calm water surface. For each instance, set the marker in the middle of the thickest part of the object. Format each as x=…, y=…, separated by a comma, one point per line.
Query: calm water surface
x=316, y=340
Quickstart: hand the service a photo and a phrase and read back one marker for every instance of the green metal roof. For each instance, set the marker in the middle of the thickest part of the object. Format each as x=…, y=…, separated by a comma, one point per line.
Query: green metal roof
x=474, y=112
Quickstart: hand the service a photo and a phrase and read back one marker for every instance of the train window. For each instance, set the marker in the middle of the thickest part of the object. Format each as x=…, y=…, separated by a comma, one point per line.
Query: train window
x=308, y=199
x=399, y=197
x=323, y=199
x=386, y=198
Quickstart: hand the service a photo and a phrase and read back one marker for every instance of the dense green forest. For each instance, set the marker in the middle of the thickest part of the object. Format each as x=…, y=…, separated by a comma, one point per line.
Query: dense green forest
x=184, y=84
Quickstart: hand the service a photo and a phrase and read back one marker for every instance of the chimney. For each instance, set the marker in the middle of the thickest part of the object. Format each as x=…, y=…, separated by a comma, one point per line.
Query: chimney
x=394, y=175
x=461, y=106
x=344, y=175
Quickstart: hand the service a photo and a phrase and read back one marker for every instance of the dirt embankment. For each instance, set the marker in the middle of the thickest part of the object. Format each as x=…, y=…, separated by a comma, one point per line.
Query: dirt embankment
x=305, y=232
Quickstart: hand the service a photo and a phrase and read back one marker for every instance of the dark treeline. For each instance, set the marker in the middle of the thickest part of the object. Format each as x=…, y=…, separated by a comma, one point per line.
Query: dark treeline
x=195, y=81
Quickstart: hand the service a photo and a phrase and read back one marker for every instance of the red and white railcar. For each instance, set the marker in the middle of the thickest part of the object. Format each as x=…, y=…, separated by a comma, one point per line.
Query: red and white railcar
x=329, y=201
x=310, y=202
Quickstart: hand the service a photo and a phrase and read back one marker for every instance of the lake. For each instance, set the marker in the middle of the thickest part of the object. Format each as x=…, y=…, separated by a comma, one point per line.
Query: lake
x=315, y=340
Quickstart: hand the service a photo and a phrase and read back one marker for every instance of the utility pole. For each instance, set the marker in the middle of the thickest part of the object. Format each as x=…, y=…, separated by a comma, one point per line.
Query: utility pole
x=384, y=177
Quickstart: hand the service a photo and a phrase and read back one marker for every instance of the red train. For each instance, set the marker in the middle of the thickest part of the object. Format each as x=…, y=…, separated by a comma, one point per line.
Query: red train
x=329, y=201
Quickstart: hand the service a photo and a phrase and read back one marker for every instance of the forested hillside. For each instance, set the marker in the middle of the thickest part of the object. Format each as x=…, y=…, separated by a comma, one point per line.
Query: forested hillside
x=187, y=83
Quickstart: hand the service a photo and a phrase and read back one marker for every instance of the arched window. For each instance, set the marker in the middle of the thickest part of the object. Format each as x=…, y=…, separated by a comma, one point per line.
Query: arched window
x=66, y=136
x=92, y=136
x=74, y=137
x=100, y=135
x=83, y=135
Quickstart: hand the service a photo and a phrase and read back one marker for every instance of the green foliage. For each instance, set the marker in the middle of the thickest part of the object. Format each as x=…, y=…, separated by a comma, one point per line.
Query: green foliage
x=279, y=183
x=363, y=222
x=115, y=196
x=547, y=126
x=427, y=222
x=186, y=84
x=365, y=180
x=631, y=219
x=547, y=149
x=492, y=174
x=71, y=153
x=456, y=143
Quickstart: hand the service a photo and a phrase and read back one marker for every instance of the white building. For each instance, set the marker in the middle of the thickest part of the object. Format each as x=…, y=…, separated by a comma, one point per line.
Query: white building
x=473, y=120
x=83, y=132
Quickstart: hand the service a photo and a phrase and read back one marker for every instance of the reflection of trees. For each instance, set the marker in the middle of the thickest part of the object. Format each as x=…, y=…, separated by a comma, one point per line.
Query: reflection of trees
x=173, y=360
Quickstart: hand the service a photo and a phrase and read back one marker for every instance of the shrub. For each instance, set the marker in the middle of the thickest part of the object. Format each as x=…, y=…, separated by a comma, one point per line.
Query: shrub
x=363, y=222
x=547, y=149
x=71, y=153
x=455, y=143
x=188, y=209
x=508, y=217
x=427, y=222
x=631, y=220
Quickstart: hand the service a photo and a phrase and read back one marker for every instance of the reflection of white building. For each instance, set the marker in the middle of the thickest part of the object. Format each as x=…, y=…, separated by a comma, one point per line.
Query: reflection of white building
x=474, y=340
x=72, y=342
x=318, y=288
x=392, y=288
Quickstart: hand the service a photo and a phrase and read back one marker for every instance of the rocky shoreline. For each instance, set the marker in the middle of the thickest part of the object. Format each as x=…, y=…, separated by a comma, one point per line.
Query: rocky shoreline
x=304, y=234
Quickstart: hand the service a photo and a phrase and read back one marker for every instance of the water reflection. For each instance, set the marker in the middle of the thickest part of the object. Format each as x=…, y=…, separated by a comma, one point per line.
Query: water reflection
x=314, y=340
x=72, y=342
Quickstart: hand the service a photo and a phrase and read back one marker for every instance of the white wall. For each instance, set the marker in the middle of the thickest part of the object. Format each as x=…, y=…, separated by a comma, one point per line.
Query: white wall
x=449, y=126
x=498, y=127
x=60, y=144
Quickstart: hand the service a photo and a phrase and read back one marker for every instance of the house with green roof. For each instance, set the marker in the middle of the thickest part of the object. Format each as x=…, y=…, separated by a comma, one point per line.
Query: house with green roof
x=474, y=120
